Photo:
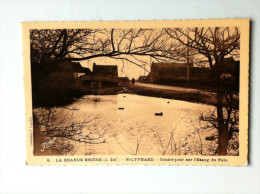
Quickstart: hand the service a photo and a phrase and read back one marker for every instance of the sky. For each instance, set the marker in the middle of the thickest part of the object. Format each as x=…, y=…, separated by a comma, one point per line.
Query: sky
x=130, y=70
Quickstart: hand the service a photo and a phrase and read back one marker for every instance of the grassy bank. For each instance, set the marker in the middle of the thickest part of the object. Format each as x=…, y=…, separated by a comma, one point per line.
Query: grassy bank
x=104, y=91
x=198, y=97
x=50, y=94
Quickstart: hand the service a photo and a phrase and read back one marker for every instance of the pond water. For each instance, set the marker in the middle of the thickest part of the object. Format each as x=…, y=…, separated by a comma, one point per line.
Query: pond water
x=126, y=124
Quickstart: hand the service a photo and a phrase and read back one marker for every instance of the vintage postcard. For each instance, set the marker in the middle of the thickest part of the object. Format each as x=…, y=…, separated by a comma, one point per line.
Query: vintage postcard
x=137, y=92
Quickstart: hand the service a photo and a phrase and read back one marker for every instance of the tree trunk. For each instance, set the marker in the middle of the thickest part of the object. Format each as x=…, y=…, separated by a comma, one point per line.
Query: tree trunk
x=222, y=129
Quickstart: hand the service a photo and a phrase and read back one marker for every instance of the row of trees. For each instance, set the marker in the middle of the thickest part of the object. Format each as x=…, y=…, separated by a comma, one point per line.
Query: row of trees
x=204, y=45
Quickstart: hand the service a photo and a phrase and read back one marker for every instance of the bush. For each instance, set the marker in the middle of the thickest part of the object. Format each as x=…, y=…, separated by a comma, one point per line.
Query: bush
x=49, y=92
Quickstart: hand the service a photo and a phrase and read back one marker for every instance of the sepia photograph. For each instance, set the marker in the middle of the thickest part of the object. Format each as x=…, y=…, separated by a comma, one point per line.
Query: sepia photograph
x=145, y=92
x=129, y=96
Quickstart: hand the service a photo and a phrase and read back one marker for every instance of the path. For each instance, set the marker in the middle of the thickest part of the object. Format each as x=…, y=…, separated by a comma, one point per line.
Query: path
x=174, y=88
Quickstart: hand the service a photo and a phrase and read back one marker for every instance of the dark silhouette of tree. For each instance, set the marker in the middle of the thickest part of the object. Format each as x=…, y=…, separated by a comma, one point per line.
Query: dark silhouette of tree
x=123, y=44
x=58, y=43
x=213, y=45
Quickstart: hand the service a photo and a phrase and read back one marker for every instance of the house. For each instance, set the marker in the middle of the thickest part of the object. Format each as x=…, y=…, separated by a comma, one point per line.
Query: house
x=187, y=75
x=165, y=73
x=68, y=70
x=109, y=71
x=101, y=76
x=73, y=67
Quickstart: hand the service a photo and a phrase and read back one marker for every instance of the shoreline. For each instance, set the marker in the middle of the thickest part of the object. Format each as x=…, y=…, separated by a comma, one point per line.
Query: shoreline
x=180, y=93
x=196, y=97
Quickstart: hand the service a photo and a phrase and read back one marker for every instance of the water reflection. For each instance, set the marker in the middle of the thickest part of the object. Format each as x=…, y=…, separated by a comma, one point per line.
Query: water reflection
x=135, y=129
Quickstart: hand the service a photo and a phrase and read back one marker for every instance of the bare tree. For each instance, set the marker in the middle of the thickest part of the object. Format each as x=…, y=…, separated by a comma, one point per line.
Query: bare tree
x=58, y=43
x=129, y=45
x=213, y=45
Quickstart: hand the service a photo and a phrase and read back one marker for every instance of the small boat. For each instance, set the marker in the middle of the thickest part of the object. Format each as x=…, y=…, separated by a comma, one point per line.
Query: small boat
x=210, y=138
x=121, y=108
x=158, y=114
x=123, y=91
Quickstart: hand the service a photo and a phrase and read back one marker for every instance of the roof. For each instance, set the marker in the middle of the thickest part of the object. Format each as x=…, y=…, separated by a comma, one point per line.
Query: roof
x=69, y=66
x=170, y=64
x=105, y=70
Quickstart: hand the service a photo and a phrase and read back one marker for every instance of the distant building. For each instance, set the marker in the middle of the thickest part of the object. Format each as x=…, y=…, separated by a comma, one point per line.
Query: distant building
x=101, y=76
x=230, y=70
x=143, y=79
x=69, y=66
x=68, y=70
x=183, y=74
x=124, y=79
x=164, y=73
x=109, y=71
x=229, y=65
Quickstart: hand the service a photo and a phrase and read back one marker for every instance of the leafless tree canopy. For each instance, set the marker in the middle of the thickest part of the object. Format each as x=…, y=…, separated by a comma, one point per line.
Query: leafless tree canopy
x=124, y=44
x=167, y=44
x=213, y=44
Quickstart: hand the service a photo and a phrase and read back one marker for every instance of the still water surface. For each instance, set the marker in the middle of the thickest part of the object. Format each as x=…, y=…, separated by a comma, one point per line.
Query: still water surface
x=128, y=125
